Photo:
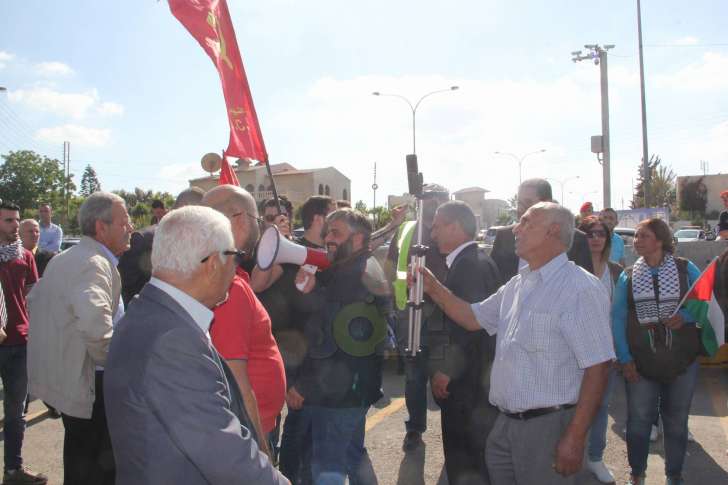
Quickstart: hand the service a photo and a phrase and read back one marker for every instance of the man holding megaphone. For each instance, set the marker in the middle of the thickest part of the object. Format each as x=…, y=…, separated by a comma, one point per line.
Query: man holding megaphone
x=341, y=375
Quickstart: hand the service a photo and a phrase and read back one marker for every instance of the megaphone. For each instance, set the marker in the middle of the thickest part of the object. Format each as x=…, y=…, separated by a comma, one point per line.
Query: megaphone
x=275, y=249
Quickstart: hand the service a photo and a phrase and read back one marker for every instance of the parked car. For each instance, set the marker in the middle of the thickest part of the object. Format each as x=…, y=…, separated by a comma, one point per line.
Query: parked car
x=626, y=233
x=67, y=242
x=686, y=235
x=489, y=237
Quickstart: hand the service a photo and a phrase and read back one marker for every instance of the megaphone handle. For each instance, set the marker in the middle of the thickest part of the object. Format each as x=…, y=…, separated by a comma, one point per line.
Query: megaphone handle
x=311, y=270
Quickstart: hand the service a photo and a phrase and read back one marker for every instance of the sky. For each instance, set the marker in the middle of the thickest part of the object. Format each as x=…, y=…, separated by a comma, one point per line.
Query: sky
x=141, y=102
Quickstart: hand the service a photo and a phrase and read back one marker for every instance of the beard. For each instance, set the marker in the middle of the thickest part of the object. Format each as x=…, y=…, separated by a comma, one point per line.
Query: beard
x=339, y=252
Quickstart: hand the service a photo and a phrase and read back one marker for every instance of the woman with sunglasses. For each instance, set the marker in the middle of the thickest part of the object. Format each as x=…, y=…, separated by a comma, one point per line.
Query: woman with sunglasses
x=656, y=344
x=599, y=238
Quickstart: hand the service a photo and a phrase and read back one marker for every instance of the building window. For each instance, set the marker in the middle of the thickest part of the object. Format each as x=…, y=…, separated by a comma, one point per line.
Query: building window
x=250, y=188
x=321, y=189
x=327, y=190
x=346, y=195
x=261, y=188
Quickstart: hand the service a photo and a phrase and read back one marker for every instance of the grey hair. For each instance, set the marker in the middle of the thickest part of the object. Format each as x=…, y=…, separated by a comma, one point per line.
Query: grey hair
x=460, y=212
x=97, y=207
x=357, y=222
x=186, y=236
x=558, y=214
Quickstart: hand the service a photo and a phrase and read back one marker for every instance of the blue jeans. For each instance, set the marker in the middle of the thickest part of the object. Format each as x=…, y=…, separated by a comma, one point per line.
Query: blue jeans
x=338, y=446
x=598, y=430
x=415, y=391
x=13, y=371
x=295, y=451
x=674, y=407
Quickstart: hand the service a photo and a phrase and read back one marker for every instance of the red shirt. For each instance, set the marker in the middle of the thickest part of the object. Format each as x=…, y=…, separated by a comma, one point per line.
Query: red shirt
x=242, y=330
x=15, y=275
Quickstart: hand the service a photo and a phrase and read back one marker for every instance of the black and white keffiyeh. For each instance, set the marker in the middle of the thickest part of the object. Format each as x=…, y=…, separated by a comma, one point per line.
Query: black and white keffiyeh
x=649, y=308
x=9, y=252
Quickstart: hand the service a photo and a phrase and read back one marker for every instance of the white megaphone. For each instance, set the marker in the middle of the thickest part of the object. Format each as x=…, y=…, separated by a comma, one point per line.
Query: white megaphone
x=275, y=249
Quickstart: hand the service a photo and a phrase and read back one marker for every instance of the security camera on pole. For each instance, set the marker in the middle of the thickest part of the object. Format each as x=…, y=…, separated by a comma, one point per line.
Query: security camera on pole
x=598, y=54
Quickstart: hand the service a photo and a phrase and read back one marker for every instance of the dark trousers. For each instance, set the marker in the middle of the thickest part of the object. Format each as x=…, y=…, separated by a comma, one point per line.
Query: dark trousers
x=465, y=428
x=87, y=455
x=13, y=371
x=295, y=452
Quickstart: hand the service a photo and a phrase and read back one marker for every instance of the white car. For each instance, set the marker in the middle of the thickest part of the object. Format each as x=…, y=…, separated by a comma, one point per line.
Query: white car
x=686, y=235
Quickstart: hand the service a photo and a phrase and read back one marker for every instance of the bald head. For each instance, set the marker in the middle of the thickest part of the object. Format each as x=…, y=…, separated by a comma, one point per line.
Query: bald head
x=239, y=206
x=29, y=233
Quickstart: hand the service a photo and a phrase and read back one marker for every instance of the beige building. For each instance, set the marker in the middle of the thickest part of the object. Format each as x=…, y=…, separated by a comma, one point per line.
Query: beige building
x=713, y=185
x=296, y=185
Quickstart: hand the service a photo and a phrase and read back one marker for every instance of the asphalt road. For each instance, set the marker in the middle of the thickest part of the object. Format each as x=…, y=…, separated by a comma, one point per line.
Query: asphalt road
x=706, y=461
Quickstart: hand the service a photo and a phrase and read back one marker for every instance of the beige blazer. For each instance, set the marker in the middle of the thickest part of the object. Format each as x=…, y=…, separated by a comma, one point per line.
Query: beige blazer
x=71, y=315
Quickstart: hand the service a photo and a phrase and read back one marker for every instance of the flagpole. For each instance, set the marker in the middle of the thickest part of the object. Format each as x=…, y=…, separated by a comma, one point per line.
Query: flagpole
x=693, y=286
x=273, y=186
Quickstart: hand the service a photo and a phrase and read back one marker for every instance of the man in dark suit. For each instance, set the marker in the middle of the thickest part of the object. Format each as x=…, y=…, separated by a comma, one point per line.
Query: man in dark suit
x=134, y=265
x=460, y=360
x=531, y=192
x=174, y=414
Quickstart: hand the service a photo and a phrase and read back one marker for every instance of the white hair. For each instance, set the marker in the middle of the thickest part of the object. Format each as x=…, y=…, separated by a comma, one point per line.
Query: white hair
x=558, y=214
x=186, y=236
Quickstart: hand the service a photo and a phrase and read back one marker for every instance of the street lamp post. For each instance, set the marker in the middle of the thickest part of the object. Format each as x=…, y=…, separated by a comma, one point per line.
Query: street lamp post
x=520, y=161
x=563, y=183
x=414, y=107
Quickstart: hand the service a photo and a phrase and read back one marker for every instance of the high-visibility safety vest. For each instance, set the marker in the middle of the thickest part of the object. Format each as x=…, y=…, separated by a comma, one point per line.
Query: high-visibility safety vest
x=404, y=239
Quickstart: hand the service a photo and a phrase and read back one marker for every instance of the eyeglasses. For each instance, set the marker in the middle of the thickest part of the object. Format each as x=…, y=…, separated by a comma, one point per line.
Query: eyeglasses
x=229, y=252
x=597, y=233
x=269, y=218
x=257, y=219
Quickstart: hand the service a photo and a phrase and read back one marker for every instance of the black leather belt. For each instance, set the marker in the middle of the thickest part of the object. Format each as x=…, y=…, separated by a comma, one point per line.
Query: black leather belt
x=534, y=413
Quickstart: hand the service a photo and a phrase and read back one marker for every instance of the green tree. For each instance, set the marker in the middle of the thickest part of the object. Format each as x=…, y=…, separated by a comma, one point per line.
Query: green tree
x=662, y=191
x=361, y=206
x=28, y=178
x=139, y=203
x=89, y=182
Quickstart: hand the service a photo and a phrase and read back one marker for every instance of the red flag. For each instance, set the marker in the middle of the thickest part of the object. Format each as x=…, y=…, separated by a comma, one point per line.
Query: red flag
x=227, y=174
x=209, y=22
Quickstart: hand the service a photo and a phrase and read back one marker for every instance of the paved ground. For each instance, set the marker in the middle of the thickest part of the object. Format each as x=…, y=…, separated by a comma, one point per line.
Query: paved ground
x=706, y=462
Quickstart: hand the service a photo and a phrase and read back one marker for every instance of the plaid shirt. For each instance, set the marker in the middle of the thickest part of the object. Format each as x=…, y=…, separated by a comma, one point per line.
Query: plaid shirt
x=3, y=311
x=552, y=324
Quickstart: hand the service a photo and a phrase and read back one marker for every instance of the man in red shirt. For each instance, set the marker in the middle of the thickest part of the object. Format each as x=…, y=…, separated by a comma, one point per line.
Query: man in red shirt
x=241, y=330
x=17, y=276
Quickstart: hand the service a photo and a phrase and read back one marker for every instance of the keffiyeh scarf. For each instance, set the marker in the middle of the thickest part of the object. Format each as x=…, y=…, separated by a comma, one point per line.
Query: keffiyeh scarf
x=652, y=307
x=10, y=251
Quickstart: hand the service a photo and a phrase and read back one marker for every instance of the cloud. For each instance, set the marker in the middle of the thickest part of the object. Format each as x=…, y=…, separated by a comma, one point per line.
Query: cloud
x=4, y=58
x=53, y=69
x=711, y=73
x=76, y=134
x=687, y=40
x=109, y=108
x=72, y=105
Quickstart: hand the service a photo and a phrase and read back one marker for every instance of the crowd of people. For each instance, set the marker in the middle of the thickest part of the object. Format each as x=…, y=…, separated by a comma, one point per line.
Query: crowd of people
x=169, y=355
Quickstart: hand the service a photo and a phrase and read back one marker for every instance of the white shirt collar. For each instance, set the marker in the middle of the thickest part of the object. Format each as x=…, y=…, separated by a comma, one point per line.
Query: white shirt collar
x=547, y=270
x=450, y=259
x=199, y=313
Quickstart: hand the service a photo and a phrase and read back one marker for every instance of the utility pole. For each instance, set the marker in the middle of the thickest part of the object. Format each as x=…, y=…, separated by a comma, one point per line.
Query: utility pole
x=598, y=54
x=645, y=156
x=67, y=172
x=374, y=189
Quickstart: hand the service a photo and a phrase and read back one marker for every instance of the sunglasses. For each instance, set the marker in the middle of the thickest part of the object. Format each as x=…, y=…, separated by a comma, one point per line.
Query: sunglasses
x=598, y=234
x=229, y=252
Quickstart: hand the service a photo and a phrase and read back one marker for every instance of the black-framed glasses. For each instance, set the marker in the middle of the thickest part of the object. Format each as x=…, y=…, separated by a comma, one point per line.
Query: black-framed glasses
x=229, y=252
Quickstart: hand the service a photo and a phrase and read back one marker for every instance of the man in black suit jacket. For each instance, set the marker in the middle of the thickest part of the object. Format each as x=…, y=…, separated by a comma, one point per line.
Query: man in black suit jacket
x=174, y=411
x=460, y=360
x=531, y=192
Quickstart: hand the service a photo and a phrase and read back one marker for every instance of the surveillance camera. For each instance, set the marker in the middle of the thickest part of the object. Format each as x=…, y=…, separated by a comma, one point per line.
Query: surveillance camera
x=576, y=53
x=596, y=61
x=590, y=46
x=609, y=46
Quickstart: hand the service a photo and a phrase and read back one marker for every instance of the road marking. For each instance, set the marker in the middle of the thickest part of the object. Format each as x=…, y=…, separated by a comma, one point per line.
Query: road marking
x=720, y=401
x=383, y=413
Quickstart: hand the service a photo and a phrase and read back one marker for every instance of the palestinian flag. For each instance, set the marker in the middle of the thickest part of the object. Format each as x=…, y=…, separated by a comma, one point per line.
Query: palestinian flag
x=703, y=306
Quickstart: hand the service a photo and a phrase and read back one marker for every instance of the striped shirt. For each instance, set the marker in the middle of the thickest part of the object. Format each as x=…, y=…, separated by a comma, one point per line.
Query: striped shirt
x=552, y=324
x=3, y=311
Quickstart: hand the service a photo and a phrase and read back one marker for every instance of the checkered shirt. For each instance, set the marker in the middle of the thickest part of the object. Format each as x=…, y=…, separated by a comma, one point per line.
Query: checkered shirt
x=552, y=324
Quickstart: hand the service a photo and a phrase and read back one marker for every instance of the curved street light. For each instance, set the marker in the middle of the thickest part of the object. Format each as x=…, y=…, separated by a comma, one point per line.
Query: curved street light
x=562, y=182
x=414, y=107
x=520, y=161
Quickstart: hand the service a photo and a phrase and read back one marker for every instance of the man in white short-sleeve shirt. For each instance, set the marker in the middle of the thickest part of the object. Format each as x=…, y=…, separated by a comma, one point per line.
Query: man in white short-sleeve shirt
x=553, y=351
